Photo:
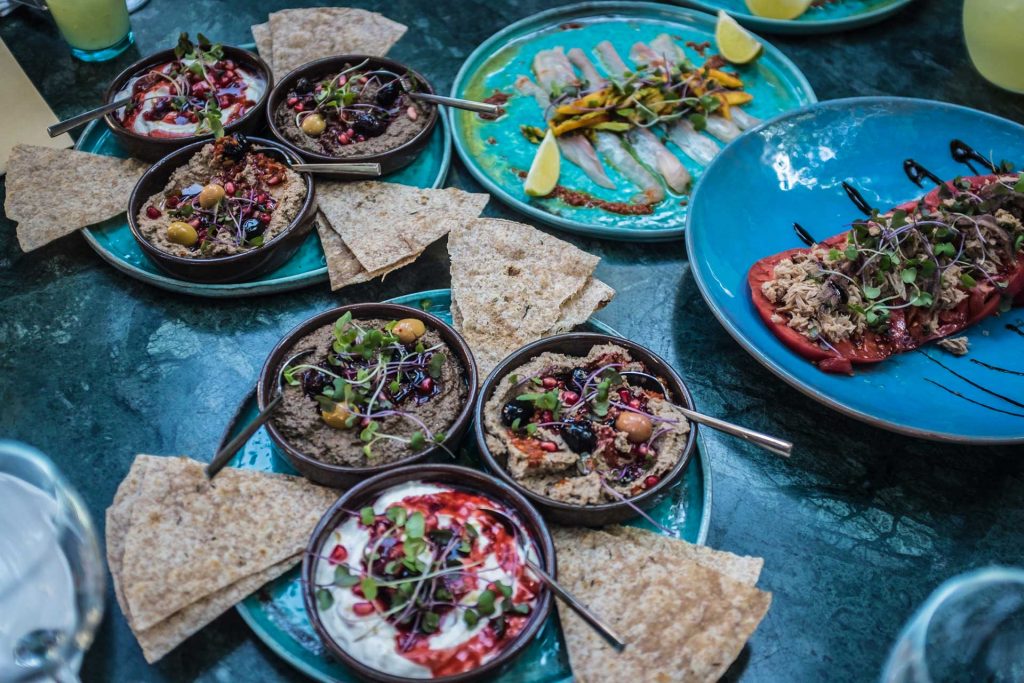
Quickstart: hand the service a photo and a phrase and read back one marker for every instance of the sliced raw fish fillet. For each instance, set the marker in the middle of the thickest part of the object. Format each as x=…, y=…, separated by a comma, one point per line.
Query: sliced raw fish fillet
x=586, y=67
x=643, y=55
x=653, y=153
x=527, y=87
x=578, y=150
x=553, y=70
x=668, y=49
x=610, y=58
x=698, y=147
x=744, y=120
x=722, y=128
x=614, y=151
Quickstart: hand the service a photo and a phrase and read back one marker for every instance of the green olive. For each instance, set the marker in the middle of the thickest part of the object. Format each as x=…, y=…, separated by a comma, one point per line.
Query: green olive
x=337, y=416
x=638, y=427
x=182, y=233
x=313, y=124
x=409, y=330
x=211, y=195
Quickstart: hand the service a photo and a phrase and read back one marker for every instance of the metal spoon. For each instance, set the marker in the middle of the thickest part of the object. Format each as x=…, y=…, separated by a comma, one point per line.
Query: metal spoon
x=468, y=105
x=225, y=454
x=342, y=168
x=565, y=596
x=766, y=441
x=85, y=117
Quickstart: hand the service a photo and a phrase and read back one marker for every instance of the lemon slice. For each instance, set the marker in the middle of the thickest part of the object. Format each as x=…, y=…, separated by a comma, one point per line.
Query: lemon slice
x=734, y=42
x=544, y=170
x=778, y=9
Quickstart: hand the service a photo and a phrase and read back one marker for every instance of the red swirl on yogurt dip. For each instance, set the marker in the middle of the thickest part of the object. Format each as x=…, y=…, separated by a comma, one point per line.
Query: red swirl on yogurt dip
x=196, y=93
x=425, y=583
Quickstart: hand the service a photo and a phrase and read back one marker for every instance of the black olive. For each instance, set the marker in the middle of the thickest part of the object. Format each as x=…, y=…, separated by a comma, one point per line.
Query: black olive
x=516, y=410
x=388, y=93
x=303, y=87
x=252, y=227
x=579, y=376
x=236, y=146
x=314, y=382
x=579, y=437
x=369, y=125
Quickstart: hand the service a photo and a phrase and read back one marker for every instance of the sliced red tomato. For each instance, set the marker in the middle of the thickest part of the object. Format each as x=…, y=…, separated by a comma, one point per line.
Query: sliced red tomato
x=905, y=330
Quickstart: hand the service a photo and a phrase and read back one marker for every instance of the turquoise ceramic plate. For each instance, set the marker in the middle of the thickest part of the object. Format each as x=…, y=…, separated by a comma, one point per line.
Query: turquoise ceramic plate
x=790, y=169
x=829, y=16
x=276, y=613
x=496, y=151
x=113, y=239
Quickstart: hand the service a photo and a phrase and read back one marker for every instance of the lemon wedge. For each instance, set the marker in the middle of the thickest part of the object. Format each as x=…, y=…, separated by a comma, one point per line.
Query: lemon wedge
x=734, y=42
x=778, y=9
x=544, y=170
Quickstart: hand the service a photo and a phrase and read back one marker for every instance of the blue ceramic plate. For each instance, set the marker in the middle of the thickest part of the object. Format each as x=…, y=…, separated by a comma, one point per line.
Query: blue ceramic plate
x=790, y=169
x=496, y=151
x=276, y=612
x=113, y=239
x=830, y=16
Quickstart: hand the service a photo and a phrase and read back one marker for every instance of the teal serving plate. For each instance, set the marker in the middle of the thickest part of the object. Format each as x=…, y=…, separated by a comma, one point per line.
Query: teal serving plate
x=276, y=612
x=791, y=169
x=495, y=152
x=113, y=239
x=830, y=17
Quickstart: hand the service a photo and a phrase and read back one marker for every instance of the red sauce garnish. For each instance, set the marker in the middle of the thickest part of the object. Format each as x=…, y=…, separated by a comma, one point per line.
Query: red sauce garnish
x=498, y=98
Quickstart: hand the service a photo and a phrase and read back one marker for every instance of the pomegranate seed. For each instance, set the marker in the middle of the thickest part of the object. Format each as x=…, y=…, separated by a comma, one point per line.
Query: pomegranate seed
x=360, y=138
x=642, y=449
x=338, y=555
x=230, y=73
x=351, y=133
x=365, y=422
x=229, y=187
x=299, y=107
x=547, y=416
x=358, y=590
x=651, y=481
x=549, y=446
x=426, y=386
x=229, y=64
x=171, y=203
x=273, y=180
x=634, y=403
x=363, y=609
x=292, y=101
x=342, y=80
x=224, y=101
x=343, y=138
x=363, y=79
x=265, y=218
x=570, y=397
x=153, y=212
x=550, y=382
x=195, y=222
x=624, y=395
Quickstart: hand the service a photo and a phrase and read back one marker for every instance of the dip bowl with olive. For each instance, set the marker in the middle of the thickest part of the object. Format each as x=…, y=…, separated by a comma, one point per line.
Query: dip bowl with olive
x=587, y=426
x=222, y=211
x=353, y=108
x=382, y=385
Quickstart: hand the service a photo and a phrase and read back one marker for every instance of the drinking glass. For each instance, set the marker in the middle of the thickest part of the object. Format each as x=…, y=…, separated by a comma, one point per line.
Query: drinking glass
x=96, y=30
x=970, y=629
x=51, y=573
x=992, y=29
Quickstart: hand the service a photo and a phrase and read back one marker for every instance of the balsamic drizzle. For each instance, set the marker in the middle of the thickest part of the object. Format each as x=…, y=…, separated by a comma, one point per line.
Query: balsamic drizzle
x=804, y=236
x=971, y=382
x=996, y=367
x=858, y=199
x=971, y=400
x=1015, y=328
x=916, y=172
x=965, y=154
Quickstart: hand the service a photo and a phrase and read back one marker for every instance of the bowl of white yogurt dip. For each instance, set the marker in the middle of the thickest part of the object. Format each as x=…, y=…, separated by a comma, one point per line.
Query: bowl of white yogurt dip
x=409, y=577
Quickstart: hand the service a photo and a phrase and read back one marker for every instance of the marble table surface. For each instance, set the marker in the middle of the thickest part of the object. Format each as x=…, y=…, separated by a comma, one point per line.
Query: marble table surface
x=856, y=529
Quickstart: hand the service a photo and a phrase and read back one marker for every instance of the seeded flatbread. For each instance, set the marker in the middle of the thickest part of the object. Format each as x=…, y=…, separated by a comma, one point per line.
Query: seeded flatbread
x=682, y=621
x=302, y=35
x=510, y=281
x=594, y=296
x=160, y=639
x=343, y=267
x=54, y=192
x=189, y=537
x=118, y=520
x=385, y=223
x=264, y=40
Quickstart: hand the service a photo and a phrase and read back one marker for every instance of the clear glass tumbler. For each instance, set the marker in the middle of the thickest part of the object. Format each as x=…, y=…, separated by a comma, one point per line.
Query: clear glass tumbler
x=52, y=577
x=96, y=30
x=971, y=629
x=993, y=30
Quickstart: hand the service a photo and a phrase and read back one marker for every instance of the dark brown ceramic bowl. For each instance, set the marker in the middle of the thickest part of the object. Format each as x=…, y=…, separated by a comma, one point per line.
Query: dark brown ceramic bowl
x=339, y=476
x=389, y=161
x=579, y=344
x=367, y=491
x=220, y=269
x=150, y=148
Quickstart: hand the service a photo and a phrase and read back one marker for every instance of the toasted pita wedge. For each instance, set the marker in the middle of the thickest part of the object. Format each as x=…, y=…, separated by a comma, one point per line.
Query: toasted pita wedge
x=303, y=35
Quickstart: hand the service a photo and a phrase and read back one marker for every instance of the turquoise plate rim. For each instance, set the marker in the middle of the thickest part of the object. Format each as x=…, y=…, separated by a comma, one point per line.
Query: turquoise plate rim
x=274, y=286
x=797, y=27
x=538, y=21
x=701, y=461
x=776, y=368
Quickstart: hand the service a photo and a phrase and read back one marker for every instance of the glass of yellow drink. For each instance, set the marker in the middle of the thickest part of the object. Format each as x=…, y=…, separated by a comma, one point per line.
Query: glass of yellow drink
x=96, y=30
x=992, y=29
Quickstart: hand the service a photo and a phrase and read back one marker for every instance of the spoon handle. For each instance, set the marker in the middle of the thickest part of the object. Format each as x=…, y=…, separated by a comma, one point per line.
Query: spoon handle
x=468, y=105
x=368, y=169
x=579, y=608
x=771, y=443
x=225, y=454
x=85, y=117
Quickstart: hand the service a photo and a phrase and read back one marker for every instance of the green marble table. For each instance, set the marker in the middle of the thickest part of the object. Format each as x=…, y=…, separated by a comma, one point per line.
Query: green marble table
x=856, y=529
